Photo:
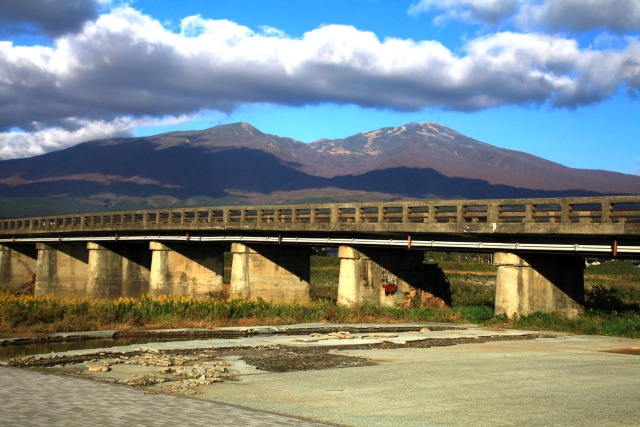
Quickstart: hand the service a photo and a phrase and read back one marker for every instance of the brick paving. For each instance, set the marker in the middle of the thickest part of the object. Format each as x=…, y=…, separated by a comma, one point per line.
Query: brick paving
x=34, y=399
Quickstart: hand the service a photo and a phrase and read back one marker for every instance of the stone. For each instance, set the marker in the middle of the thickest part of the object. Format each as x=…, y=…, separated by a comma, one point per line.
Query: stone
x=98, y=368
x=382, y=335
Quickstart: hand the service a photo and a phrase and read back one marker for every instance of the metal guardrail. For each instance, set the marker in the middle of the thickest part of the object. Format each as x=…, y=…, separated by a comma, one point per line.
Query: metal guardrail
x=602, y=215
x=574, y=248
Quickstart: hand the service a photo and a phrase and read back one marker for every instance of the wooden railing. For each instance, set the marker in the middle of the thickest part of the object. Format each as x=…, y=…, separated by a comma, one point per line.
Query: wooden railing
x=417, y=216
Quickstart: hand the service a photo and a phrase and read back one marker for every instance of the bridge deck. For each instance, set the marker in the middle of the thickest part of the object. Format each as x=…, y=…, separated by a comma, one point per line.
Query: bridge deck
x=603, y=216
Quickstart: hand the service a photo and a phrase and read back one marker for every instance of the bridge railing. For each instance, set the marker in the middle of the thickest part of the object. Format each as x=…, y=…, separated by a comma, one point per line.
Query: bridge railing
x=564, y=211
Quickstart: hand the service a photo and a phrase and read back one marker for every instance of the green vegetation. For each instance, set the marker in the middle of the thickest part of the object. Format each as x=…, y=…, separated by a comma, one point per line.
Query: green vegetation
x=48, y=314
x=325, y=272
x=612, y=305
x=591, y=323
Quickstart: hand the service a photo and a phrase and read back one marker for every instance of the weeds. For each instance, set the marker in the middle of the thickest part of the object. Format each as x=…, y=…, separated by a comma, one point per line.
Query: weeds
x=591, y=323
x=48, y=314
x=612, y=306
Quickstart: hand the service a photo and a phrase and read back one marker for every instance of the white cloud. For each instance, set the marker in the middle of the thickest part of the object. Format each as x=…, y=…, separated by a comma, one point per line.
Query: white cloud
x=617, y=16
x=487, y=11
x=126, y=67
x=16, y=144
x=581, y=15
x=26, y=144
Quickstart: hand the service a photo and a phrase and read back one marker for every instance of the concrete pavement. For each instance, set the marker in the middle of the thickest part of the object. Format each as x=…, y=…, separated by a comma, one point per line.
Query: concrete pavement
x=568, y=380
x=565, y=380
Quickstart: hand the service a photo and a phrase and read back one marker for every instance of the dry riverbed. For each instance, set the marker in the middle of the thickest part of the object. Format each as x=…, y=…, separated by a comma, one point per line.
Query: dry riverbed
x=188, y=367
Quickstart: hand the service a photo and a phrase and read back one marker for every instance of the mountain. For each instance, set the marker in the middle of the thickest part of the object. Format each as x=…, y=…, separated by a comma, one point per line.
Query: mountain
x=238, y=164
x=431, y=145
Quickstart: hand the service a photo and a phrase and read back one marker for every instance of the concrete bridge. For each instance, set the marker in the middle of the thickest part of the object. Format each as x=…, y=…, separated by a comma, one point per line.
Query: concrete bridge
x=539, y=247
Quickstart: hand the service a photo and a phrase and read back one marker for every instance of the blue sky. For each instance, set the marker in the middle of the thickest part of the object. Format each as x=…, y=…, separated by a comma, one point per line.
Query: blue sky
x=558, y=79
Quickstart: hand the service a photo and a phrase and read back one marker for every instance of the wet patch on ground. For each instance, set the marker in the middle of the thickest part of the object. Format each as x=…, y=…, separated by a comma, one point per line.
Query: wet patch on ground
x=634, y=351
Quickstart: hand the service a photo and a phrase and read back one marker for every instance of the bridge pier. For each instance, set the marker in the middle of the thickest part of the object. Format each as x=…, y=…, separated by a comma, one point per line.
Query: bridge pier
x=527, y=283
x=386, y=277
x=61, y=269
x=17, y=266
x=118, y=270
x=274, y=273
x=191, y=269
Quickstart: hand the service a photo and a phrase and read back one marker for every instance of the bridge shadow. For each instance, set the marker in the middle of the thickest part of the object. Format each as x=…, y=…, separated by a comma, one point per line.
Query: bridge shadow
x=600, y=298
x=411, y=269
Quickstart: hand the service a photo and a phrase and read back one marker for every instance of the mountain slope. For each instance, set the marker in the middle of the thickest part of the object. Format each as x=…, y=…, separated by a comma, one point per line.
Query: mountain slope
x=430, y=145
x=236, y=164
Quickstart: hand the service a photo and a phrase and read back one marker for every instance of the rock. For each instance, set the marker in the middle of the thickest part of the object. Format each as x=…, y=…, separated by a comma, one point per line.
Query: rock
x=98, y=368
x=382, y=335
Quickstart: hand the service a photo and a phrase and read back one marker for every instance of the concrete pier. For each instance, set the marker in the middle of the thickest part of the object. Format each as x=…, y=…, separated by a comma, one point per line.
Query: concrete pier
x=274, y=273
x=527, y=283
x=62, y=269
x=189, y=269
x=385, y=277
x=383, y=263
x=17, y=266
x=118, y=270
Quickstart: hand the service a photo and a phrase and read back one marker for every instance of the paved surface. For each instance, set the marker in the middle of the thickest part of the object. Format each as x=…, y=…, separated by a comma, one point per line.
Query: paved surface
x=35, y=399
x=563, y=381
x=566, y=380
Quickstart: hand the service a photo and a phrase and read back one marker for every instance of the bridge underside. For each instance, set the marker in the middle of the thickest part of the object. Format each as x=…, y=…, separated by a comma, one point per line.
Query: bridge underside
x=387, y=277
x=526, y=282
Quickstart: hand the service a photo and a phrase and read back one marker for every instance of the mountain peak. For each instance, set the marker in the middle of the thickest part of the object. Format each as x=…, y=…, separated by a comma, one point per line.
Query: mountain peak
x=377, y=142
x=418, y=129
x=233, y=129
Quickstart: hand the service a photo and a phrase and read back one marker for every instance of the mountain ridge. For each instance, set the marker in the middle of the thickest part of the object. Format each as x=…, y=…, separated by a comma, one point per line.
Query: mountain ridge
x=237, y=162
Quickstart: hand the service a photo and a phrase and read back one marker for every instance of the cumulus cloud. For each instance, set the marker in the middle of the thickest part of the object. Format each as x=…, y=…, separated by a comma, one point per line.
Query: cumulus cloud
x=51, y=17
x=487, y=11
x=15, y=144
x=26, y=144
x=576, y=16
x=616, y=16
x=125, y=67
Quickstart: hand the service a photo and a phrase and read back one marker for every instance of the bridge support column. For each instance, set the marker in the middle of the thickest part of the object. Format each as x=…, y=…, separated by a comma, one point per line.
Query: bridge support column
x=17, y=267
x=528, y=283
x=386, y=277
x=61, y=269
x=191, y=269
x=118, y=270
x=274, y=273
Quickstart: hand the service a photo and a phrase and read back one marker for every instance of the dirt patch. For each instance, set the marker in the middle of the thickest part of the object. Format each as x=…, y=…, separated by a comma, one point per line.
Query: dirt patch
x=290, y=359
x=279, y=358
x=635, y=351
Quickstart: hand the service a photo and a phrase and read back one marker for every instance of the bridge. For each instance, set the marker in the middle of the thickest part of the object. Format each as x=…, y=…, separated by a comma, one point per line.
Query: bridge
x=539, y=246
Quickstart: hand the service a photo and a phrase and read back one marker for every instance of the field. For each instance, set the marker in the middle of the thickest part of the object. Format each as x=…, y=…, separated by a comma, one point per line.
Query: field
x=612, y=305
